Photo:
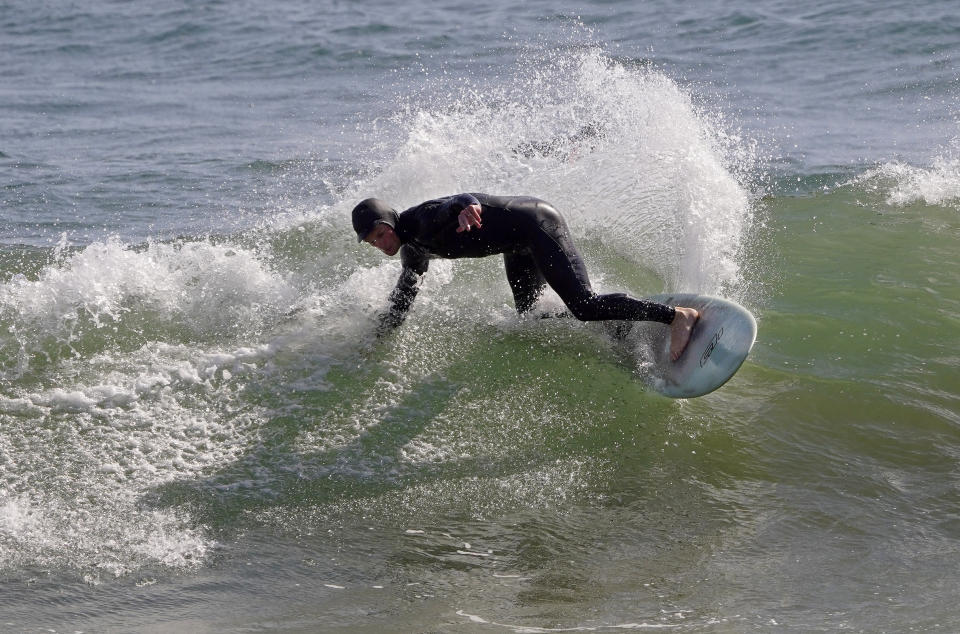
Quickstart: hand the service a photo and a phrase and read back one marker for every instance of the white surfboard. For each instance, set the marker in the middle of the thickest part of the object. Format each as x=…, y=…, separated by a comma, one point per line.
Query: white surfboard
x=720, y=342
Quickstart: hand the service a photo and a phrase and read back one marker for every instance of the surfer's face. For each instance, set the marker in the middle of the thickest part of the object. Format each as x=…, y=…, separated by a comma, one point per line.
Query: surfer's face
x=384, y=238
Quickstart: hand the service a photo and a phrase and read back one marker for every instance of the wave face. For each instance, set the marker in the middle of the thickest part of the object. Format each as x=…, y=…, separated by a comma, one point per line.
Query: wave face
x=153, y=364
x=194, y=411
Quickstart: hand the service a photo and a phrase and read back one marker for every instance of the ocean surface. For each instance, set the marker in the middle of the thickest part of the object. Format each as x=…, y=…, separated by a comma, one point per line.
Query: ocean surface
x=198, y=431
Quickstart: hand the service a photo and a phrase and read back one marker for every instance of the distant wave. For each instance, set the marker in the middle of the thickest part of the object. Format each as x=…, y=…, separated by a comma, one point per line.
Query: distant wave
x=903, y=184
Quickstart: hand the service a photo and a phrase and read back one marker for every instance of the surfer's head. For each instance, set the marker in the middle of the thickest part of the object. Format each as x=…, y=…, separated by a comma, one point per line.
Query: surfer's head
x=375, y=223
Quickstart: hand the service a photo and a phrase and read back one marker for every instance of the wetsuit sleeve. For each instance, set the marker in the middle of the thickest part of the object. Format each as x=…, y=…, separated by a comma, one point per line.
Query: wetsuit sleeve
x=401, y=298
x=455, y=204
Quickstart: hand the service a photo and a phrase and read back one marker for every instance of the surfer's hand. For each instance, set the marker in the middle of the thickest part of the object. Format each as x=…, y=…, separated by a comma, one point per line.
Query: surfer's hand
x=469, y=217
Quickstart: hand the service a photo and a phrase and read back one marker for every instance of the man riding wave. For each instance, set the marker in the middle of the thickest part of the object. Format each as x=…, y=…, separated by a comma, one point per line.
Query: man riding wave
x=536, y=246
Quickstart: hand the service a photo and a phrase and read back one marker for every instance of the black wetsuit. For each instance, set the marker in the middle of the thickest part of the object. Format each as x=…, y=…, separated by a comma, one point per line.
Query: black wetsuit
x=536, y=247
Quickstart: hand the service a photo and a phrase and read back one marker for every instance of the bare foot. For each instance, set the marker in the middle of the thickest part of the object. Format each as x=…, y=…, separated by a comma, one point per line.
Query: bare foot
x=680, y=329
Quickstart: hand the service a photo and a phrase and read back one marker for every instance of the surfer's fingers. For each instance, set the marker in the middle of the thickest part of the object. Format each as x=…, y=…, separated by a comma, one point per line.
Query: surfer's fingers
x=469, y=217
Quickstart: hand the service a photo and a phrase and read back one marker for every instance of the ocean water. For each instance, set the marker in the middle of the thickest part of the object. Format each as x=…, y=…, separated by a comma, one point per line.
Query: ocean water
x=198, y=433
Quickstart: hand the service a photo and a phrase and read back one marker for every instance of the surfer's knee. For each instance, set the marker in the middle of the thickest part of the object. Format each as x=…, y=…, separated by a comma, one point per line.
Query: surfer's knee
x=525, y=305
x=583, y=308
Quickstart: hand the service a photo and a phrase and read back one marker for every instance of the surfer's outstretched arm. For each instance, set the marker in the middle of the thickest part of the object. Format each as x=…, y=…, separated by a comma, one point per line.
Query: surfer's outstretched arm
x=401, y=297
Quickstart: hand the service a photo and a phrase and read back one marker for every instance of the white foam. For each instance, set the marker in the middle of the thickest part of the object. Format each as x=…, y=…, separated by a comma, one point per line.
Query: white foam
x=47, y=531
x=74, y=484
x=938, y=184
x=110, y=291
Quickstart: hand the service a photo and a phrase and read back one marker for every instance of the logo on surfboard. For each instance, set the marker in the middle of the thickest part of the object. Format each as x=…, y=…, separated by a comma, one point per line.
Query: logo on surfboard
x=710, y=347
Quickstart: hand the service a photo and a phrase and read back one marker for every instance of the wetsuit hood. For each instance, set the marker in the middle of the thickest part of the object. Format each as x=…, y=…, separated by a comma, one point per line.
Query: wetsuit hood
x=371, y=212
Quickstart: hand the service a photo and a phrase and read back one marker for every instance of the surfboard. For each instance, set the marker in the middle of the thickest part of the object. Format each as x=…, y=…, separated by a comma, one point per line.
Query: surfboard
x=719, y=344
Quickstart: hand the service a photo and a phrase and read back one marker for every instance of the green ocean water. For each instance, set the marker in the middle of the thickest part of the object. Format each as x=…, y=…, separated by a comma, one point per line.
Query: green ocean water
x=198, y=431
x=502, y=474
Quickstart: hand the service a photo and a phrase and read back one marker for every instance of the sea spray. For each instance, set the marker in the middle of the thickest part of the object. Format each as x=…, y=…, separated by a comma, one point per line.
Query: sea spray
x=622, y=151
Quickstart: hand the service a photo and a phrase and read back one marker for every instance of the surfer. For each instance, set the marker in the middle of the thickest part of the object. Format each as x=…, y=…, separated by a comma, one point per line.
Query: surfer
x=536, y=246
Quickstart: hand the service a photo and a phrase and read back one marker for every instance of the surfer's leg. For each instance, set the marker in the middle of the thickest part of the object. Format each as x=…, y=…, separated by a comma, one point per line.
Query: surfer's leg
x=525, y=279
x=559, y=262
x=564, y=270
